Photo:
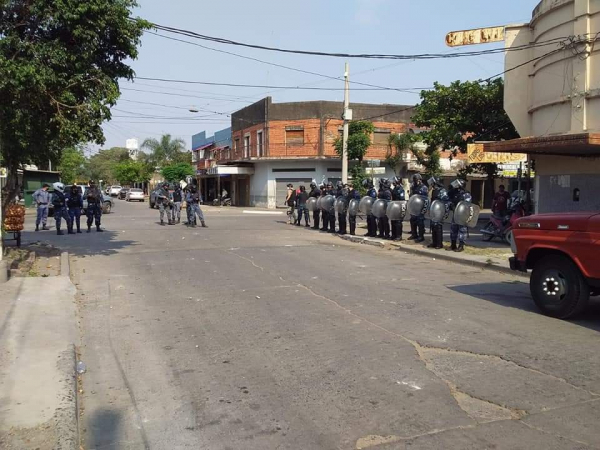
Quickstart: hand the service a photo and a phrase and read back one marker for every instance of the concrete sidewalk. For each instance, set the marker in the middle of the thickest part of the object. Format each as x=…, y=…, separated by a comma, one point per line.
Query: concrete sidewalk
x=38, y=331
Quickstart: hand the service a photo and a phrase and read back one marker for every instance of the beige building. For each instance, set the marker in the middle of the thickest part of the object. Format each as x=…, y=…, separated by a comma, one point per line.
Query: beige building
x=552, y=96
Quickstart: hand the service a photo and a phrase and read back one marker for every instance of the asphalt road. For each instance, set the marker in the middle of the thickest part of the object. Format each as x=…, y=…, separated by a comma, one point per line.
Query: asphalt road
x=253, y=334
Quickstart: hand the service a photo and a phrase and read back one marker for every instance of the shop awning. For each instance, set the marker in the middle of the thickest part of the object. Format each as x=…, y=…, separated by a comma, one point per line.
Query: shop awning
x=580, y=144
x=226, y=170
x=202, y=147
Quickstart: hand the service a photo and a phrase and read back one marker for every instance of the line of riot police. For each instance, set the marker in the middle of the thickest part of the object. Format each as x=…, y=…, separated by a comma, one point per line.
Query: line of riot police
x=385, y=209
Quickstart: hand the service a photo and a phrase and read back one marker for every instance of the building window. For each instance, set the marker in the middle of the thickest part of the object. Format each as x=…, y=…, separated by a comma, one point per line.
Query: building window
x=236, y=146
x=247, y=146
x=381, y=137
x=294, y=135
x=259, y=143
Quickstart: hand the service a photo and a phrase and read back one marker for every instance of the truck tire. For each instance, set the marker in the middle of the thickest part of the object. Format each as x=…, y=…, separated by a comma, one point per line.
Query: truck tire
x=558, y=288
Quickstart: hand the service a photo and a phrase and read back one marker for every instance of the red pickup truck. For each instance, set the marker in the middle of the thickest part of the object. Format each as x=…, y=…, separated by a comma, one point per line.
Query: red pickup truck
x=563, y=251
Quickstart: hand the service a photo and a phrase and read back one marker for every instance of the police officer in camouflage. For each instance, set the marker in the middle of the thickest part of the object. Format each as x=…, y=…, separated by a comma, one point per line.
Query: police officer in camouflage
x=324, y=213
x=384, y=193
x=341, y=192
x=94, y=199
x=353, y=194
x=316, y=193
x=438, y=192
x=457, y=194
x=417, y=223
x=59, y=201
x=164, y=200
x=75, y=205
x=371, y=220
x=398, y=194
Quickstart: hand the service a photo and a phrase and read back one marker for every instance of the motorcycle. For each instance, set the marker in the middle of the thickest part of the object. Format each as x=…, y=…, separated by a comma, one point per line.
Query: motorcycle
x=501, y=226
x=222, y=202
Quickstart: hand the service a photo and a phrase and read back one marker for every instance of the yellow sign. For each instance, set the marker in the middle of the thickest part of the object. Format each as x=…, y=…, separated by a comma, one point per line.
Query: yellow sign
x=476, y=36
x=3, y=172
x=476, y=155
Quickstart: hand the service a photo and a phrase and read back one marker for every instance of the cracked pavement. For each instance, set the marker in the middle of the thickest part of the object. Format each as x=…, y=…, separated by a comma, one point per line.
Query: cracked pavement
x=258, y=335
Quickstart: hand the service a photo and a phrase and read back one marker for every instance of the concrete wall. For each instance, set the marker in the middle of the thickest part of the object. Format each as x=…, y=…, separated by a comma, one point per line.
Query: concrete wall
x=558, y=177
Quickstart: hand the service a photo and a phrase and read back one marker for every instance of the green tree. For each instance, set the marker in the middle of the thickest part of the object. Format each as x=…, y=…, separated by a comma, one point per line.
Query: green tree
x=177, y=172
x=399, y=146
x=167, y=151
x=459, y=114
x=359, y=140
x=101, y=166
x=60, y=63
x=129, y=172
x=72, y=166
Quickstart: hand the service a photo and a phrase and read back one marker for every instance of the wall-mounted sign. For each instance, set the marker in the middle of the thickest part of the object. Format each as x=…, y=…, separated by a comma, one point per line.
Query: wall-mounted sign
x=477, y=155
x=476, y=36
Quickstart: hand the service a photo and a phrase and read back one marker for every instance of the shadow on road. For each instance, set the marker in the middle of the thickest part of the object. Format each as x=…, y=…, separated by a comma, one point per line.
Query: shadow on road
x=515, y=294
x=82, y=245
x=104, y=430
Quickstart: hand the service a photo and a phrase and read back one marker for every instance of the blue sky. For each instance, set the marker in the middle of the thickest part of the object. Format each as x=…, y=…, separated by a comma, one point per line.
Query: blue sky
x=349, y=26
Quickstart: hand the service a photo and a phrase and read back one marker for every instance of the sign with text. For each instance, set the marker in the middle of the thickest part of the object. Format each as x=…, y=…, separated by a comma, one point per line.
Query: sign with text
x=476, y=36
x=476, y=155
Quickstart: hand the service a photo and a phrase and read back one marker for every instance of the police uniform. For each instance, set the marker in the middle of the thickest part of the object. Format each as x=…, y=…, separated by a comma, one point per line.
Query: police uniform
x=59, y=201
x=316, y=193
x=331, y=215
x=176, y=211
x=417, y=223
x=342, y=193
x=324, y=212
x=194, y=199
x=458, y=232
x=94, y=207
x=396, y=225
x=383, y=223
x=163, y=204
x=75, y=205
x=353, y=194
x=42, y=198
x=371, y=220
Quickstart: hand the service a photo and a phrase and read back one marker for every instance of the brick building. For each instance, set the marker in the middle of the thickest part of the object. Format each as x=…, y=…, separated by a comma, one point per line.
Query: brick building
x=274, y=144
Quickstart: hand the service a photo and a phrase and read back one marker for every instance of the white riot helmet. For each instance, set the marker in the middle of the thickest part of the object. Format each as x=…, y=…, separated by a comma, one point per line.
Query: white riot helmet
x=458, y=184
x=60, y=187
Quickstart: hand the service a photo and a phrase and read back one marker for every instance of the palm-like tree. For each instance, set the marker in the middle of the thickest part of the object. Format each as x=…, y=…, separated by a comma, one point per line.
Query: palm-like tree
x=165, y=150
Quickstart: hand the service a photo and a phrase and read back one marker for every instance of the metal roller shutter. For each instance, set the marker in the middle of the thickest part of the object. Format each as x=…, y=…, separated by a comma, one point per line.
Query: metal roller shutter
x=281, y=188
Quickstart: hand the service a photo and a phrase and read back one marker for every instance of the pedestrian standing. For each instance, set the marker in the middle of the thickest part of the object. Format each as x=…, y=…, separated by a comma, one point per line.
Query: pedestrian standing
x=93, y=212
x=176, y=211
x=75, y=205
x=41, y=198
x=301, y=200
x=59, y=201
x=290, y=202
x=501, y=201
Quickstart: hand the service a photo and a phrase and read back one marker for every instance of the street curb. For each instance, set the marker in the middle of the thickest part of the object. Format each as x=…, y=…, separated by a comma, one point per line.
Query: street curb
x=3, y=271
x=67, y=420
x=65, y=269
x=442, y=255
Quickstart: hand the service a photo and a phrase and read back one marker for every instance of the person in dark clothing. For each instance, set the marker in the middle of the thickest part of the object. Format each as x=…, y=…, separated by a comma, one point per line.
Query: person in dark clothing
x=324, y=213
x=176, y=209
x=501, y=202
x=75, y=205
x=457, y=194
x=331, y=214
x=290, y=202
x=301, y=199
x=353, y=194
x=371, y=220
x=417, y=223
x=342, y=193
x=398, y=194
x=94, y=206
x=59, y=201
x=383, y=223
x=316, y=193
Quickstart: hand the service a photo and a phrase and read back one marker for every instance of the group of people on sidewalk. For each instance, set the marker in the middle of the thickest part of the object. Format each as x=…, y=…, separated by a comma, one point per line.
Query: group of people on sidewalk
x=382, y=227
x=170, y=203
x=68, y=206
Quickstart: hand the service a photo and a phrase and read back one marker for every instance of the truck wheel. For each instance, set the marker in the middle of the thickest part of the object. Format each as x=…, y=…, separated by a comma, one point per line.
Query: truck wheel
x=558, y=288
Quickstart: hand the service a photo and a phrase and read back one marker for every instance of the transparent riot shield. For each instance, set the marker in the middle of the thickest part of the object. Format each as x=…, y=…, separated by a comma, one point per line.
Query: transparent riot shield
x=311, y=204
x=440, y=211
x=328, y=203
x=396, y=210
x=379, y=208
x=353, y=207
x=366, y=203
x=341, y=205
x=418, y=204
x=466, y=214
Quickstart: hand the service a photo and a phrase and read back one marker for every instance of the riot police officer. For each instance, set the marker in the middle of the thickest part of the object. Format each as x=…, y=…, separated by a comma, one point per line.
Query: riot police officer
x=342, y=193
x=398, y=194
x=193, y=200
x=59, y=201
x=371, y=221
x=316, y=193
x=324, y=212
x=177, y=198
x=164, y=199
x=384, y=193
x=75, y=205
x=94, y=199
x=353, y=194
x=458, y=232
x=417, y=223
x=440, y=193
x=331, y=191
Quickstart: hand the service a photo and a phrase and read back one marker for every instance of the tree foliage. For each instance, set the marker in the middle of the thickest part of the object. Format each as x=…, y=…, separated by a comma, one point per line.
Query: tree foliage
x=128, y=172
x=72, y=166
x=177, y=172
x=399, y=146
x=459, y=114
x=60, y=62
x=166, y=151
x=359, y=140
x=101, y=166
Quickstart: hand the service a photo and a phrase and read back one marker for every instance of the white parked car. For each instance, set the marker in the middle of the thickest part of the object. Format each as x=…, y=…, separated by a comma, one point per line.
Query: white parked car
x=114, y=191
x=135, y=194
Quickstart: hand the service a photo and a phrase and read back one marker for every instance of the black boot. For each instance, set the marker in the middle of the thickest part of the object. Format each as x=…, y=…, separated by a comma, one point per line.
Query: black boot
x=352, y=228
x=421, y=236
x=37, y=228
x=89, y=230
x=45, y=228
x=59, y=231
x=413, y=231
x=203, y=224
x=162, y=222
x=70, y=229
x=78, y=228
x=98, y=229
x=461, y=247
x=434, y=237
x=440, y=236
x=452, y=245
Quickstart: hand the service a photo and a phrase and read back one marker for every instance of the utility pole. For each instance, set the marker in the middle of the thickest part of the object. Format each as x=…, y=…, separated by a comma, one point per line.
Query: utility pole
x=347, y=119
